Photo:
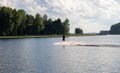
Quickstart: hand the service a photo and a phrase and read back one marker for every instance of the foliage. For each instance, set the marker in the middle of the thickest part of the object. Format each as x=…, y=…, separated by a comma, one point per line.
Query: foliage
x=18, y=22
x=78, y=31
x=66, y=26
x=115, y=29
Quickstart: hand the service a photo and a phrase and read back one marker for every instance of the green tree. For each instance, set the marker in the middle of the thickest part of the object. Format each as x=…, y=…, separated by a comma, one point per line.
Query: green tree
x=38, y=24
x=18, y=22
x=57, y=27
x=45, y=17
x=5, y=20
x=115, y=29
x=14, y=22
x=21, y=17
x=48, y=26
x=29, y=24
x=66, y=26
x=78, y=31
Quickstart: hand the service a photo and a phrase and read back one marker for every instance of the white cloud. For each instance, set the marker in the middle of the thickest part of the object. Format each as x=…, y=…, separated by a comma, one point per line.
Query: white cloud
x=3, y=2
x=11, y=3
x=90, y=15
x=31, y=6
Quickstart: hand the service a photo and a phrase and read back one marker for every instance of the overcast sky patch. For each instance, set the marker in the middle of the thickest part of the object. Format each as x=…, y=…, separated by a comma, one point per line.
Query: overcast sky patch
x=90, y=15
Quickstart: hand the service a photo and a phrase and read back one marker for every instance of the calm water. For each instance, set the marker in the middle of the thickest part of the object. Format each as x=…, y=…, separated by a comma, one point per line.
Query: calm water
x=39, y=55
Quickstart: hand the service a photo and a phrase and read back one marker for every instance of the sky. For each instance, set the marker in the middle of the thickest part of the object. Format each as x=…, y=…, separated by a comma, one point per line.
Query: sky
x=89, y=15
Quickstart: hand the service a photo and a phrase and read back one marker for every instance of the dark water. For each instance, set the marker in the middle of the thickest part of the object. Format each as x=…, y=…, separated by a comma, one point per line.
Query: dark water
x=40, y=55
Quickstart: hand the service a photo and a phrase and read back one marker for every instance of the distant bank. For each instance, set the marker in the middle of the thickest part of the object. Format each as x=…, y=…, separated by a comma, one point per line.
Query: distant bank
x=20, y=37
x=44, y=36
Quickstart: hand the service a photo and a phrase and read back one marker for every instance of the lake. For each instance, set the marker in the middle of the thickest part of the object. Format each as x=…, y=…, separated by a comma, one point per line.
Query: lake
x=40, y=55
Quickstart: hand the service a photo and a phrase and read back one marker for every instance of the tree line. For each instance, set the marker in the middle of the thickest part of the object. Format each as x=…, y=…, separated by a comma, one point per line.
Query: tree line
x=17, y=22
x=115, y=29
x=78, y=31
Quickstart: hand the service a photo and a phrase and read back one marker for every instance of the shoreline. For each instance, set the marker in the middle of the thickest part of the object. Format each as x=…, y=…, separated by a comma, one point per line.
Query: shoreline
x=43, y=36
x=20, y=37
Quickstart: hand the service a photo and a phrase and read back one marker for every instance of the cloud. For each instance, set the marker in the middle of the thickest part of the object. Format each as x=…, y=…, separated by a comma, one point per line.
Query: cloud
x=11, y=3
x=30, y=6
x=86, y=14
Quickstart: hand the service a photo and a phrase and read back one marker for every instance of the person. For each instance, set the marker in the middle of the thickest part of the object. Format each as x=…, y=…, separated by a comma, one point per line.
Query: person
x=63, y=38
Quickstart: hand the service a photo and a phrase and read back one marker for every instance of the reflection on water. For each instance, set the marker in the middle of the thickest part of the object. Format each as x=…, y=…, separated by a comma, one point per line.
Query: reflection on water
x=39, y=55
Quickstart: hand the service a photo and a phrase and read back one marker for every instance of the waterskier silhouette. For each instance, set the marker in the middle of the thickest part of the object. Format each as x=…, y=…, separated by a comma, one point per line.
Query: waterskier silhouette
x=63, y=38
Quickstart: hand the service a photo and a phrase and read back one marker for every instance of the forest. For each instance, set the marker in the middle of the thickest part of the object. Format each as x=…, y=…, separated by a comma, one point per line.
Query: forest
x=16, y=22
x=115, y=29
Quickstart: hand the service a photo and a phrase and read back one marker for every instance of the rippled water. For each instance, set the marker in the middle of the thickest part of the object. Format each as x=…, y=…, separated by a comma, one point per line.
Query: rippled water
x=40, y=55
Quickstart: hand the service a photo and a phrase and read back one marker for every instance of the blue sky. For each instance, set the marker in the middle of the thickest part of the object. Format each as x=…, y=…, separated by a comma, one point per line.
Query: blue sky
x=90, y=15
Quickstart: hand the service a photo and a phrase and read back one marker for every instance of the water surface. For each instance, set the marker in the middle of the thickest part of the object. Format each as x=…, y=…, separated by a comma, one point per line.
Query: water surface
x=40, y=55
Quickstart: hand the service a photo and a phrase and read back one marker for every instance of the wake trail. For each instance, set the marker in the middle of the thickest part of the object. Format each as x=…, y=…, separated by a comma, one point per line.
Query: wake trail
x=85, y=44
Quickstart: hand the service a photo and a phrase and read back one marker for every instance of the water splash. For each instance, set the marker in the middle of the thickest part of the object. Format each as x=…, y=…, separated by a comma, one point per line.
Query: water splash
x=85, y=44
